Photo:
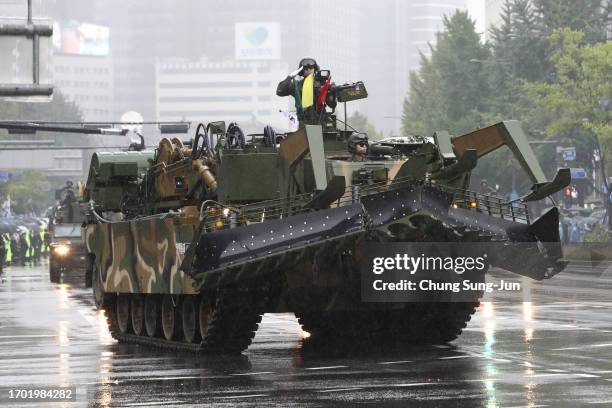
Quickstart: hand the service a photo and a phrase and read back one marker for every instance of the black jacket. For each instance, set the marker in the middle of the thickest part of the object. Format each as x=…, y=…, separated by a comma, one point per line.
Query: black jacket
x=287, y=86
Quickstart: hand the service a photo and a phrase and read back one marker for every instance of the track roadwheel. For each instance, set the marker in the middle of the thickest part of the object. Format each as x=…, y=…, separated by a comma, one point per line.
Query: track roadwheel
x=168, y=318
x=204, y=315
x=189, y=315
x=97, y=286
x=151, y=314
x=123, y=313
x=137, y=314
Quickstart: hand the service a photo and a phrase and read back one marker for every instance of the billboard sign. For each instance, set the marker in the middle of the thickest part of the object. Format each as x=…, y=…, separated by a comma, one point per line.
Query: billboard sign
x=569, y=154
x=81, y=39
x=578, y=173
x=257, y=41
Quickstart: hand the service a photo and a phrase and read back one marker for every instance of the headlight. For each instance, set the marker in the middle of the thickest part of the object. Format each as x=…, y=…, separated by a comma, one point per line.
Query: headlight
x=62, y=250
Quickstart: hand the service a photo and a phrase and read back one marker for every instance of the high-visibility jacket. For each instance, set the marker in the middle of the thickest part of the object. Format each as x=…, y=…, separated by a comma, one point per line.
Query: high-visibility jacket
x=29, y=249
x=43, y=246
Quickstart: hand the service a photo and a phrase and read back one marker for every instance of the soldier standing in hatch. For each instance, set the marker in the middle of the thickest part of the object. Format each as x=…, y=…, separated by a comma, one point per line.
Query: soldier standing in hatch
x=358, y=146
x=69, y=198
x=485, y=188
x=306, y=91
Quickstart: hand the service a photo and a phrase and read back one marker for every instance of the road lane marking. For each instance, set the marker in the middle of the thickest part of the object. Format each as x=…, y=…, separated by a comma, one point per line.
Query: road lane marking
x=582, y=347
x=566, y=374
x=396, y=362
x=342, y=389
x=258, y=373
x=326, y=368
x=456, y=357
x=25, y=336
x=411, y=384
x=245, y=396
x=90, y=317
x=130, y=380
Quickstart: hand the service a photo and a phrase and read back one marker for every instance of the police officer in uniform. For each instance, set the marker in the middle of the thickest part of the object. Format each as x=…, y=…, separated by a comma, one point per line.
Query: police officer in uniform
x=293, y=85
x=358, y=146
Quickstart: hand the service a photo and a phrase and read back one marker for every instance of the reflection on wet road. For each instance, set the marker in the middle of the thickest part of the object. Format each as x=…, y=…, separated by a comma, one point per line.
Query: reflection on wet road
x=552, y=350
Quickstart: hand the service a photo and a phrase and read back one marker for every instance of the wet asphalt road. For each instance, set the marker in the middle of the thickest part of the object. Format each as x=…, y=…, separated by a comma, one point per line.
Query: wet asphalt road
x=553, y=351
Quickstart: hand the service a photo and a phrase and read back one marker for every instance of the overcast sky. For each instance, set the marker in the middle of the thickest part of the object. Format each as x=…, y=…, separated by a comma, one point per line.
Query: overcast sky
x=476, y=8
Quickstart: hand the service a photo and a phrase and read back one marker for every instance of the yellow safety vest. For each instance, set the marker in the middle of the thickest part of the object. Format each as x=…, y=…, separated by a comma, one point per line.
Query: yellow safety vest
x=27, y=240
x=43, y=247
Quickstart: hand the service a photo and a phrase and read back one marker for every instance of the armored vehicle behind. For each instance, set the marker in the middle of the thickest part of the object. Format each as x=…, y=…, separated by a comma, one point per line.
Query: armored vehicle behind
x=67, y=254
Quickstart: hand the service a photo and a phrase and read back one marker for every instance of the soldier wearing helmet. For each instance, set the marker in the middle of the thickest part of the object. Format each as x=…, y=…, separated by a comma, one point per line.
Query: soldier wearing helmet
x=358, y=146
x=294, y=85
x=485, y=188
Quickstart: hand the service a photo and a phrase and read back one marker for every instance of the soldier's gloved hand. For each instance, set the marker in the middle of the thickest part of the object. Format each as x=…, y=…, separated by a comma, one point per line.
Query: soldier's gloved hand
x=296, y=72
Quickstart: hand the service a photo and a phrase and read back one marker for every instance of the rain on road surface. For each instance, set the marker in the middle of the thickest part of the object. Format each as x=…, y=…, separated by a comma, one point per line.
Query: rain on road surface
x=553, y=351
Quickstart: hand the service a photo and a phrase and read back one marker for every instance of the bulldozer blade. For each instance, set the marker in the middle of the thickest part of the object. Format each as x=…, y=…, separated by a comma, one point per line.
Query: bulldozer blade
x=466, y=163
x=535, y=250
x=234, y=246
x=529, y=250
x=411, y=170
x=542, y=190
x=334, y=190
x=389, y=206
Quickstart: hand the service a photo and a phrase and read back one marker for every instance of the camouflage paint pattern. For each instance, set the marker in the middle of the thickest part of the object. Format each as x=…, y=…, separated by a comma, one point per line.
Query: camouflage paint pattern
x=141, y=256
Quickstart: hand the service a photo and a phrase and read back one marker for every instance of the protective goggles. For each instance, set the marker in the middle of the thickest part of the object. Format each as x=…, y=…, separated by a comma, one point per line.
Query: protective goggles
x=309, y=63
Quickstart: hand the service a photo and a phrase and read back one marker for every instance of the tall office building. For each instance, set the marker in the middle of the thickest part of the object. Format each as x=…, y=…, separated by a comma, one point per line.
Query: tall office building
x=241, y=91
x=88, y=82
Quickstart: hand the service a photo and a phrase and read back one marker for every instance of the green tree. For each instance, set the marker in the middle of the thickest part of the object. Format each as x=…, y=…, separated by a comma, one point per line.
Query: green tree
x=591, y=17
x=450, y=89
x=579, y=99
x=58, y=109
x=27, y=195
x=521, y=52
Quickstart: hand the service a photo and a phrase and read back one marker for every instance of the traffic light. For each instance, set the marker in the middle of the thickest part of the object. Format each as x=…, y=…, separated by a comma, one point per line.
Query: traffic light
x=569, y=194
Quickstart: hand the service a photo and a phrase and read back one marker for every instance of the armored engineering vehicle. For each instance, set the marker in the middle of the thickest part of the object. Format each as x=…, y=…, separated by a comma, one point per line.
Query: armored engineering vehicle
x=189, y=244
x=67, y=255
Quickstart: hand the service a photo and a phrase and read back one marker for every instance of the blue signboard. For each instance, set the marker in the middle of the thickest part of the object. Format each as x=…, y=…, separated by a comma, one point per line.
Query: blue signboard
x=569, y=154
x=578, y=173
x=4, y=176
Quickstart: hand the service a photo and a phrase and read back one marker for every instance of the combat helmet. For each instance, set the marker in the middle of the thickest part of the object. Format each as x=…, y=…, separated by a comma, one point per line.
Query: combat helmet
x=355, y=139
x=309, y=61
